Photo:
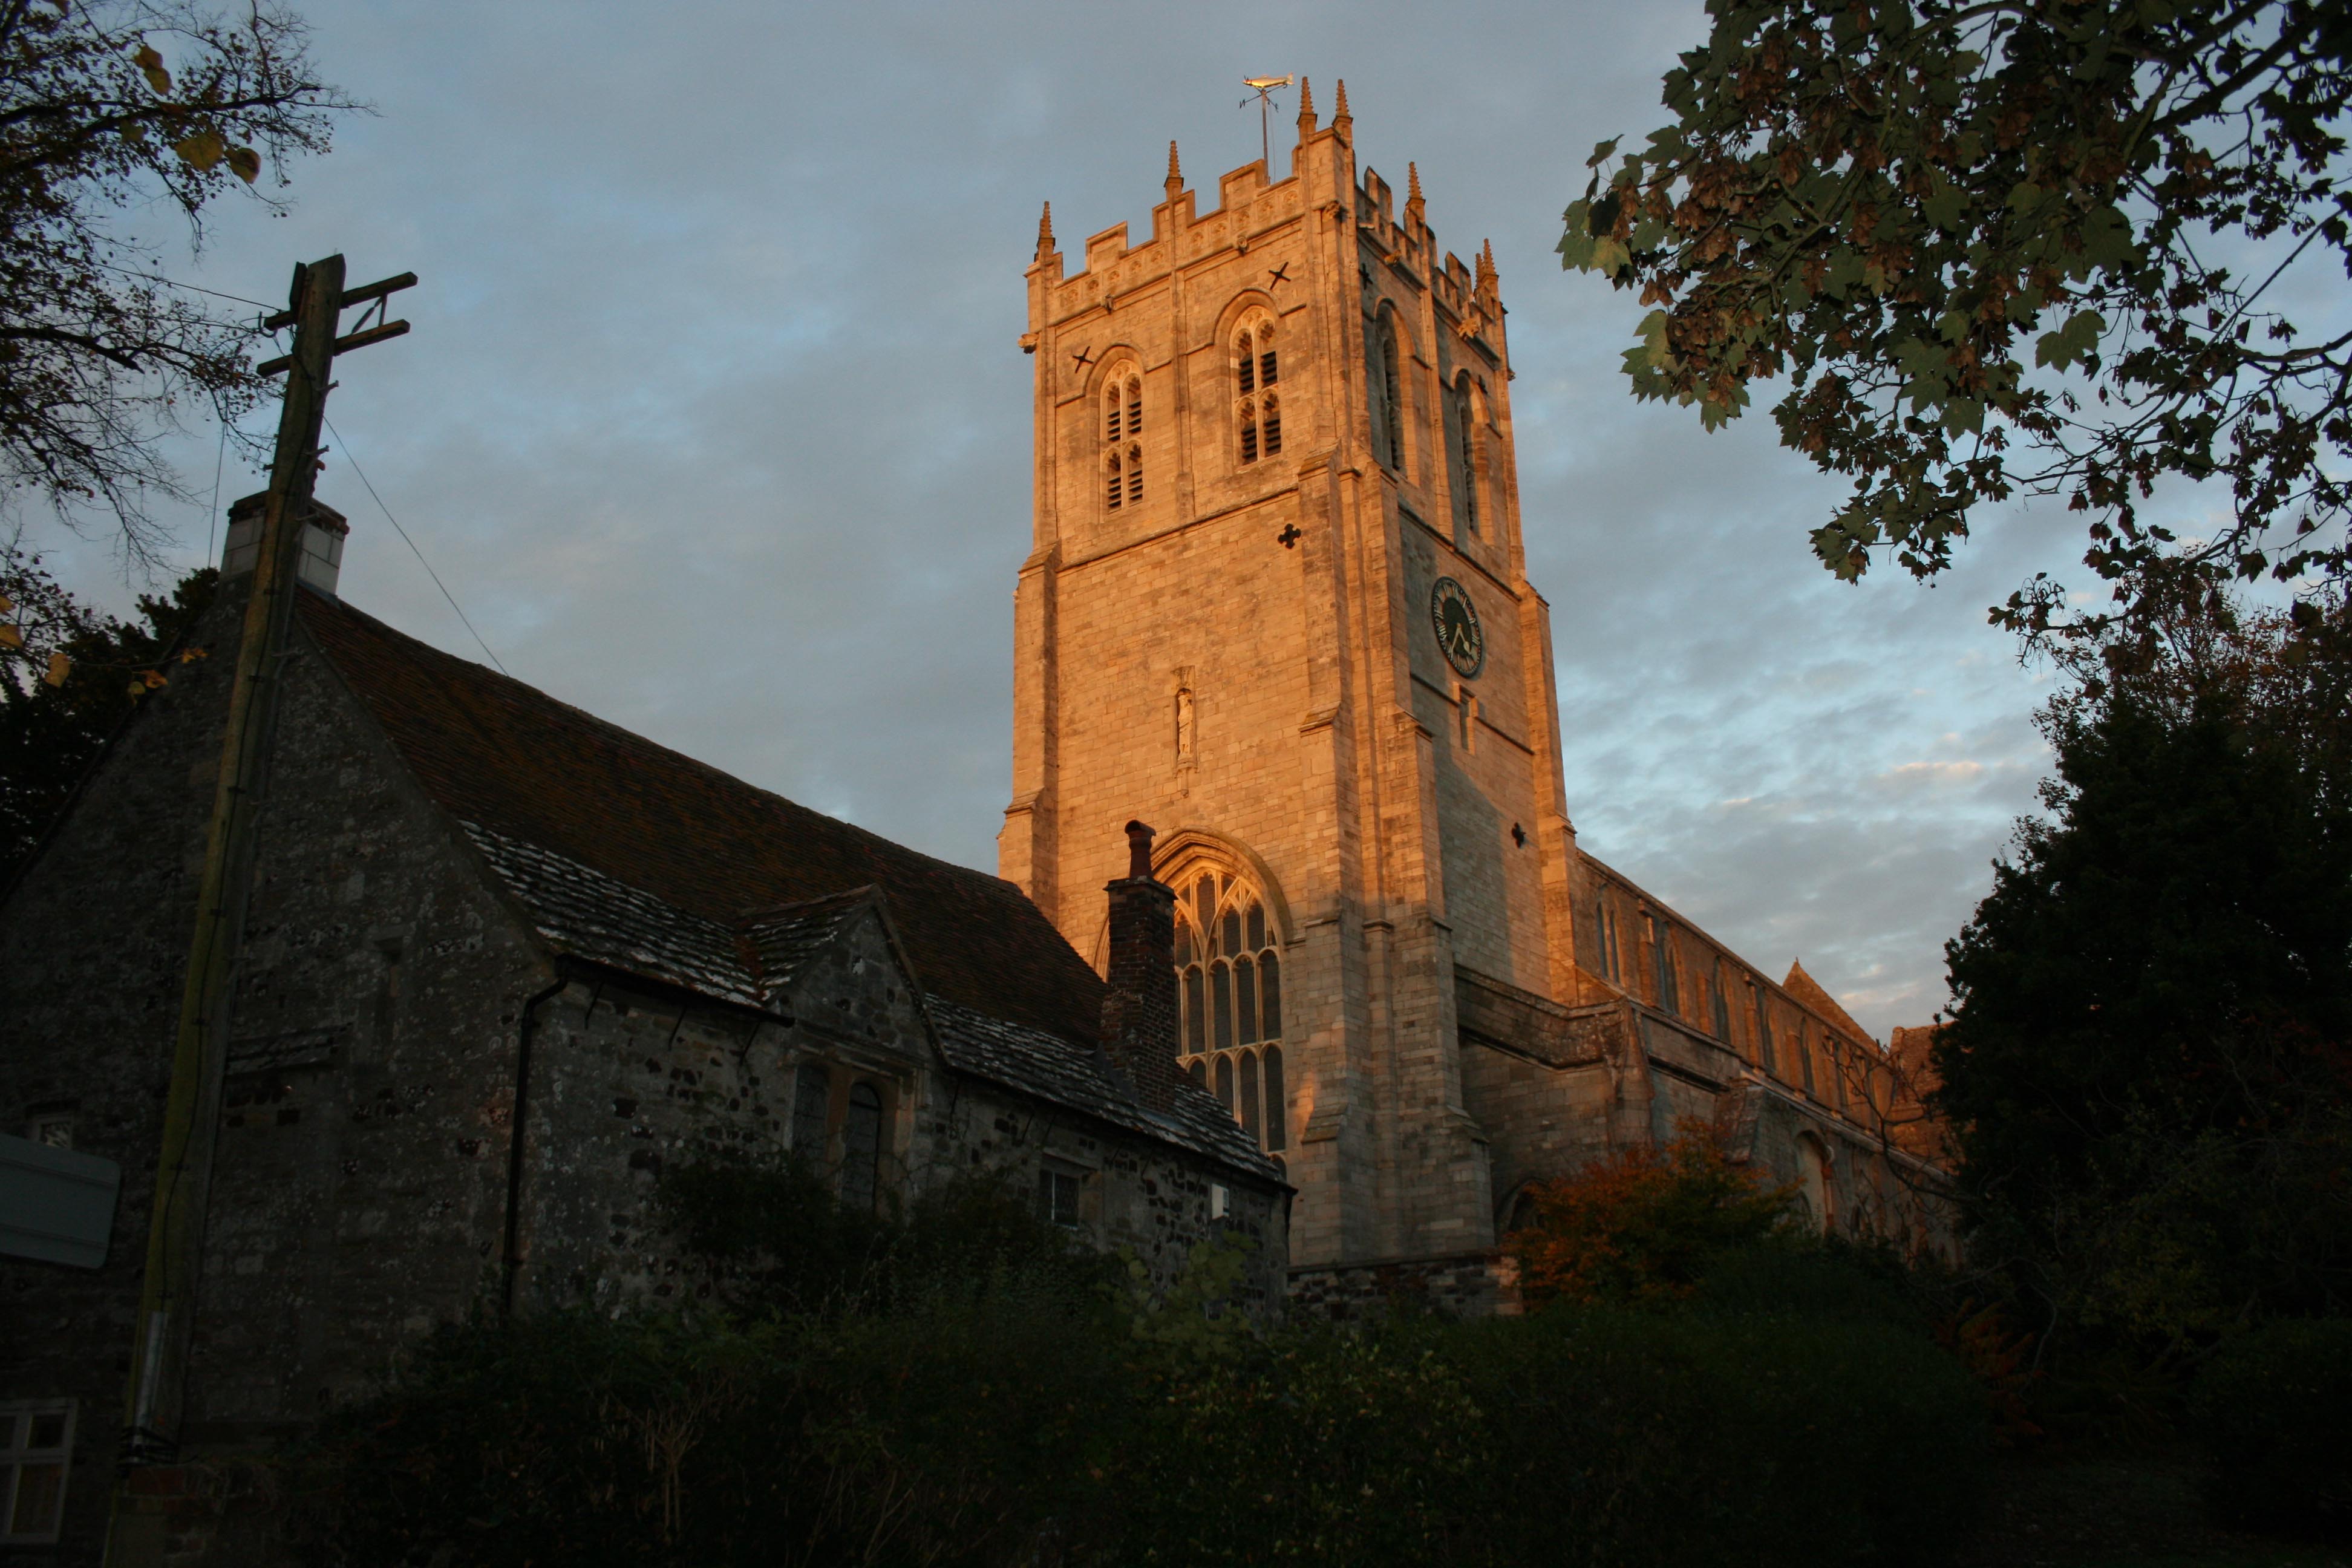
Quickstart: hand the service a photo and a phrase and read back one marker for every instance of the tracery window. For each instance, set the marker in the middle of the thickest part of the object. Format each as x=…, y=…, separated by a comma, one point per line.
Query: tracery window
x=1257, y=405
x=1122, y=425
x=1229, y=989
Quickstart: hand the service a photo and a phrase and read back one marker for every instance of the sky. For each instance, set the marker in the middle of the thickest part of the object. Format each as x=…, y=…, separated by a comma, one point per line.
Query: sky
x=714, y=420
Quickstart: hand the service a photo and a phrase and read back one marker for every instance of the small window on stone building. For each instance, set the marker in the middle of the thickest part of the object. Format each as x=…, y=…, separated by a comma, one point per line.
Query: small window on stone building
x=812, y=1106
x=1257, y=406
x=1057, y=1197
x=35, y=1454
x=53, y=1128
x=1721, y=1003
x=1805, y=1058
x=1220, y=1200
x=1230, y=994
x=1608, y=946
x=1763, y=1030
x=861, y=1148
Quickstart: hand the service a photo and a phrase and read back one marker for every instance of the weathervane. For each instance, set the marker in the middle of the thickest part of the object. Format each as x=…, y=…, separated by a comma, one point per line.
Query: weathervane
x=1264, y=87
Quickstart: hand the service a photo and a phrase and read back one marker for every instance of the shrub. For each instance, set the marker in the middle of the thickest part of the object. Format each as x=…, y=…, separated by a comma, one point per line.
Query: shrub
x=981, y=1399
x=1643, y=1223
x=1693, y=1437
x=2273, y=1411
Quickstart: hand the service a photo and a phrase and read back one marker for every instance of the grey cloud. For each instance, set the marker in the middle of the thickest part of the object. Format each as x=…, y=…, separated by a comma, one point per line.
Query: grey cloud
x=714, y=419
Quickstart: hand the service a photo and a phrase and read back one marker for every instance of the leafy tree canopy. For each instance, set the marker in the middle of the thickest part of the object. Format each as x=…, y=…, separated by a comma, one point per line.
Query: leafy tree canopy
x=2149, y=1062
x=2008, y=247
x=108, y=106
x=69, y=676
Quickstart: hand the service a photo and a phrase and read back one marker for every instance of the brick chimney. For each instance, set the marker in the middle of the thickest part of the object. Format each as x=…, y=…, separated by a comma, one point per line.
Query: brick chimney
x=1138, y=1014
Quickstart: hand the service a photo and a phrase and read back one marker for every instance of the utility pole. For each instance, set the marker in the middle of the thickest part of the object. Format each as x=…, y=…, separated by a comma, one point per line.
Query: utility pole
x=192, y=1112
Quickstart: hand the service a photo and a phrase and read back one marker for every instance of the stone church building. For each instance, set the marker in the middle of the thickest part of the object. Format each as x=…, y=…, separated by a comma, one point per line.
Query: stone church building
x=1277, y=599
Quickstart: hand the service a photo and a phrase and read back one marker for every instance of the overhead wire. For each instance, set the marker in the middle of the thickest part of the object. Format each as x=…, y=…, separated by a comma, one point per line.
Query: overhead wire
x=411, y=545
x=191, y=288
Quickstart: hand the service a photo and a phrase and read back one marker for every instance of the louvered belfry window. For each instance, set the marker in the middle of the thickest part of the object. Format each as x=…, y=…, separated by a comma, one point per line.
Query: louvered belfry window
x=1123, y=429
x=1257, y=403
x=1229, y=984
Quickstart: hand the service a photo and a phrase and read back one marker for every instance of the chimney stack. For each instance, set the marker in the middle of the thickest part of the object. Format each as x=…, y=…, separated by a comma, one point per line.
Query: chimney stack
x=1139, y=1015
x=320, y=563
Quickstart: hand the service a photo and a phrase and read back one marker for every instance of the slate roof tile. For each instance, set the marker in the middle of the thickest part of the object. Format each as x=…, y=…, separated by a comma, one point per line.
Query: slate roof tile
x=517, y=763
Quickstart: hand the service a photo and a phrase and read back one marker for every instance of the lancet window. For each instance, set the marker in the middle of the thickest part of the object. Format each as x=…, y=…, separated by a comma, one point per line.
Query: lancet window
x=1122, y=399
x=1388, y=397
x=1462, y=415
x=1257, y=403
x=1229, y=989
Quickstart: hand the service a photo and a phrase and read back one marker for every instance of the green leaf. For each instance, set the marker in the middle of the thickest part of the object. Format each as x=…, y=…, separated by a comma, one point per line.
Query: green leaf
x=1946, y=207
x=1652, y=334
x=1609, y=256
x=2024, y=196
x=2072, y=341
x=2107, y=238
x=201, y=151
x=1600, y=153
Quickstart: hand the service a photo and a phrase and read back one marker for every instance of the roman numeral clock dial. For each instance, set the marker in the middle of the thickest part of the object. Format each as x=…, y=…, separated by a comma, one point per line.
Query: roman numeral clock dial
x=1455, y=620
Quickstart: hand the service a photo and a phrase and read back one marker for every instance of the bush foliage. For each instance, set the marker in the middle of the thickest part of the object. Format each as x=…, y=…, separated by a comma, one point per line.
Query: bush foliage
x=2274, y=1413
x=1643, y=1224
x=954, y=1387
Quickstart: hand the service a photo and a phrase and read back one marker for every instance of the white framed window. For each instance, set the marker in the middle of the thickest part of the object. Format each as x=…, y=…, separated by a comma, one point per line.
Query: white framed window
x=35, y=1453
x=1057, y=1197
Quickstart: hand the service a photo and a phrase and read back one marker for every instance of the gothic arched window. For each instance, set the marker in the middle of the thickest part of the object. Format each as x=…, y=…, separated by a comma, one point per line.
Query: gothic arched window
x=1122, y=425
x=1813, y=1183
x=1257, y=406
x=1387, y=395
x=1462, y=421
x=1229, y=986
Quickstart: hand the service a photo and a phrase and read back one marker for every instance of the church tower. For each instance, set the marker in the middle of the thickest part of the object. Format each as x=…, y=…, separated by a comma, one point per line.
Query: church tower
x=1277, y=606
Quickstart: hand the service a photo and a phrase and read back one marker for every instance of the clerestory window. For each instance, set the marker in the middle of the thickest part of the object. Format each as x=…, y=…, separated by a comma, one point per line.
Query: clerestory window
x=1229, y=986
x=1257, y=403
x=1123, y=448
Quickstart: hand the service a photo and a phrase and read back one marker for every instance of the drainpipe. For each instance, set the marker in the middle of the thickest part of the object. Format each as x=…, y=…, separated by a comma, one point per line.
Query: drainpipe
x=513, y=1256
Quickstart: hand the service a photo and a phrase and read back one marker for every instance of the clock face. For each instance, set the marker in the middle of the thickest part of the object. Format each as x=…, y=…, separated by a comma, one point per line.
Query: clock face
x=1456, y=621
